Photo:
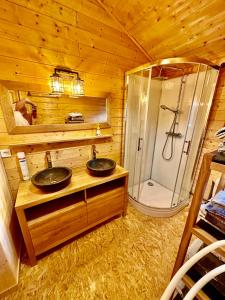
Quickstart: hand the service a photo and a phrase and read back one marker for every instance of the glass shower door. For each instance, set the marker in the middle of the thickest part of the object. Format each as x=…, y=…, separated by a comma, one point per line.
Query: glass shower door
x=195, y=132
x=137, y=105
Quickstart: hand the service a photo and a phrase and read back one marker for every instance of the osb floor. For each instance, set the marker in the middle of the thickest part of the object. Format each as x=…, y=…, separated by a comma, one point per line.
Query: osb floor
x=127, y=258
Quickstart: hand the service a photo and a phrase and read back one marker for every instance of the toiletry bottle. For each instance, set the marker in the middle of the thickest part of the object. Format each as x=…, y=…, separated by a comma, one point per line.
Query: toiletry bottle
x=98, y=130
x=23, y=165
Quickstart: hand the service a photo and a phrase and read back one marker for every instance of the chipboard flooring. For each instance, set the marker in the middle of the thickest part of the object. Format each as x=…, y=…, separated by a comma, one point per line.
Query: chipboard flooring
x=127, y=258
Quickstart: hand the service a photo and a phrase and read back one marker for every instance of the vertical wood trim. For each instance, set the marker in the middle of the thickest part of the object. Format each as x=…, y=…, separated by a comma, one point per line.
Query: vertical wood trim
x=26, y=235
x=125, y=196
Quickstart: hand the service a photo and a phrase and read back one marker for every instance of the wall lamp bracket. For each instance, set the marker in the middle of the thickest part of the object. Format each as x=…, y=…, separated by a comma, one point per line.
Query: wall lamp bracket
x=64, y=74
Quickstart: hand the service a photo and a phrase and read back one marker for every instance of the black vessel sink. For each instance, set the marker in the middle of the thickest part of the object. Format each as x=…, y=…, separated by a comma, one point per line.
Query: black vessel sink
x=101, y=166
x=52, y=179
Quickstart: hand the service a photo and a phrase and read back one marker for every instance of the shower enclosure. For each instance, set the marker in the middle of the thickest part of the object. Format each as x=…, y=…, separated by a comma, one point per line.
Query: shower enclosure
x=167, y=108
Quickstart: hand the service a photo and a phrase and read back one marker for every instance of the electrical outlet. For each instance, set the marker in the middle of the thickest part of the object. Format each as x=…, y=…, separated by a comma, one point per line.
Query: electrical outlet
x=5, y=153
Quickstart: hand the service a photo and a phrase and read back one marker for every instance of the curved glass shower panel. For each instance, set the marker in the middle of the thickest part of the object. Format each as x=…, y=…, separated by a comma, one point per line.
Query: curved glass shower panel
x=137, y=107
x=196, y=131
x=196, y=79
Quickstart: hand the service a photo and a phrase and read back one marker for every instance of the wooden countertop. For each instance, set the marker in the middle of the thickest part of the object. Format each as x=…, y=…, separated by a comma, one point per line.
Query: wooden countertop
x=28, y=195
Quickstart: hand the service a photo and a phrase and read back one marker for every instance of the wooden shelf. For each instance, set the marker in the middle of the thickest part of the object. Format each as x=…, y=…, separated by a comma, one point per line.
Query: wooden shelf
x=103, y=188
x=217, y=167
x=60, y=140
x=189, y=283
x=207, y=238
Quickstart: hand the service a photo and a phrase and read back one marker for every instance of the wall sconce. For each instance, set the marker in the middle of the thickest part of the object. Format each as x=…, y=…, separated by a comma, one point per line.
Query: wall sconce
x=57, y=85
x=60, y=75
x=77, y=86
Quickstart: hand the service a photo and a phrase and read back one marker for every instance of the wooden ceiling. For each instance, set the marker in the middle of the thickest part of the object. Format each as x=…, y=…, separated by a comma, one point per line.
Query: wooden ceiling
x=169, y=28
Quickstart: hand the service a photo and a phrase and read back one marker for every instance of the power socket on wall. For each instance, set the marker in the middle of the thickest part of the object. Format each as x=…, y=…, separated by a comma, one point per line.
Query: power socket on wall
x=5, y=153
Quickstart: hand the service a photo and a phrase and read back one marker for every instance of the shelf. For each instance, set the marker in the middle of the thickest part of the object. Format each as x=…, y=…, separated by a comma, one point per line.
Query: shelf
x=104, y=188
x=217, y=167
x=44, y=211
x=189, y=283
x=207, y=238
x=60, y=140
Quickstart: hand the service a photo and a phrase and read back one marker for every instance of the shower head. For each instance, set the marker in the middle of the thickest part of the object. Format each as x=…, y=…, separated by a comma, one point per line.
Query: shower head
x=160, y=76
x=168, y=108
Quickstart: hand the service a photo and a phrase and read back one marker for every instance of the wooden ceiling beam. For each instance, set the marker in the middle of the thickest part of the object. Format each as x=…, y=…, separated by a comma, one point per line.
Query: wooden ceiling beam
x=124, y=30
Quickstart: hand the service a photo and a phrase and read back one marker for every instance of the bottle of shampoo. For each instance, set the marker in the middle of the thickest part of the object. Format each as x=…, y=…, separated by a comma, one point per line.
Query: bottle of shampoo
x=23, y=165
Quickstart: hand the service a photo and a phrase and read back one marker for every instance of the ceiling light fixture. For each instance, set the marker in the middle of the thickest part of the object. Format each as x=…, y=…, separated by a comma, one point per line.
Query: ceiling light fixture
x=60, y=76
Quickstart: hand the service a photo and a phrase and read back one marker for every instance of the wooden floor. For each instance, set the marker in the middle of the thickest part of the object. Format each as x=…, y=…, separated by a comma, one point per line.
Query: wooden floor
x=128, y=258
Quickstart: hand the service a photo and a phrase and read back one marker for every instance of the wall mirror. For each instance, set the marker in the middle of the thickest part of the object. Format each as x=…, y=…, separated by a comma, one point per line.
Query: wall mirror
x=32, y=112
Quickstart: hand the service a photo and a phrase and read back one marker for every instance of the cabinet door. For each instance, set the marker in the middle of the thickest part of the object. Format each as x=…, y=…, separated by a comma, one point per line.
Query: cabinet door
x=55, y=228
x=105, y=205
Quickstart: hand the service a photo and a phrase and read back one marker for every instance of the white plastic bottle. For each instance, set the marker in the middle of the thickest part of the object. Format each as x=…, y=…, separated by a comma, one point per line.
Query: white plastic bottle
x=23, y=165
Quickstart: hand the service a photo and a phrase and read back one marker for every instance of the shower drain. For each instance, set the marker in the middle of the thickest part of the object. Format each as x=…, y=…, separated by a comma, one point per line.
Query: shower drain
x=150, y=183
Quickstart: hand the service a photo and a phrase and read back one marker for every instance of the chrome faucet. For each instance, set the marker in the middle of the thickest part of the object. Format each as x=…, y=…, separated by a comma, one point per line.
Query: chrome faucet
x=94, y=151
x=48, y=158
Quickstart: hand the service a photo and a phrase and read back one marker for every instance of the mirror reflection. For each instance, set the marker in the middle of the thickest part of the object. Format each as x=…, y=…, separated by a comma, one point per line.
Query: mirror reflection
x=32, y=109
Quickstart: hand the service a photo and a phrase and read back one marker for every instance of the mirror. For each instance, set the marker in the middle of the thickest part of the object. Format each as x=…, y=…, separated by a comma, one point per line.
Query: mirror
x=27, y=112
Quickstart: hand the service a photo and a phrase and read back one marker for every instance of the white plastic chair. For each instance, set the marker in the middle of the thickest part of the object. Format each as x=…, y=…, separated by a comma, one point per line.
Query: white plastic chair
x=200, y=283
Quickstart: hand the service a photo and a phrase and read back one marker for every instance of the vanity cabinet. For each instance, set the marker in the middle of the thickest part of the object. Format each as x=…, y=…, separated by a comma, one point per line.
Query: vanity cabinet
x=49, y=219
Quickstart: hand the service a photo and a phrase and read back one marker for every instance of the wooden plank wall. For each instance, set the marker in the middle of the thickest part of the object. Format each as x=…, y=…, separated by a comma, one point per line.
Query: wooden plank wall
x=217, y=115
x=38, y=35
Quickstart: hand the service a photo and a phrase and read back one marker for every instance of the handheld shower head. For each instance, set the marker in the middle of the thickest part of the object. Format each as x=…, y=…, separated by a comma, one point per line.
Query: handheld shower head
x=164, y=107
x=168, y=108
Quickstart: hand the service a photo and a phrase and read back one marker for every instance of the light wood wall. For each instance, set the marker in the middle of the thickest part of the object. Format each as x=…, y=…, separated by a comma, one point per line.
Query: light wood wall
x=217, y=115
x=38, y=35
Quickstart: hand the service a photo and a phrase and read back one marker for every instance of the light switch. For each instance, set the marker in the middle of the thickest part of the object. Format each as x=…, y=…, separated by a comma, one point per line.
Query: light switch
x=5, y=153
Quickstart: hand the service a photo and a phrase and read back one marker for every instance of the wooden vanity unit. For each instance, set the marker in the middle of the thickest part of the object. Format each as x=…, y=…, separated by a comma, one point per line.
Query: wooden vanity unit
x=49, y=219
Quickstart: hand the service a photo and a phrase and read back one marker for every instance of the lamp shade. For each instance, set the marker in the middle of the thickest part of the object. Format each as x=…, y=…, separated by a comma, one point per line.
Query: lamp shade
x=77, y=87
x=57, y=85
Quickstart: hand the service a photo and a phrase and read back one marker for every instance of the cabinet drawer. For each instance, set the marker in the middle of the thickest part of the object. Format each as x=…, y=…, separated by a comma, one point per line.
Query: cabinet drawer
x=105, y=205
x=52, y=229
